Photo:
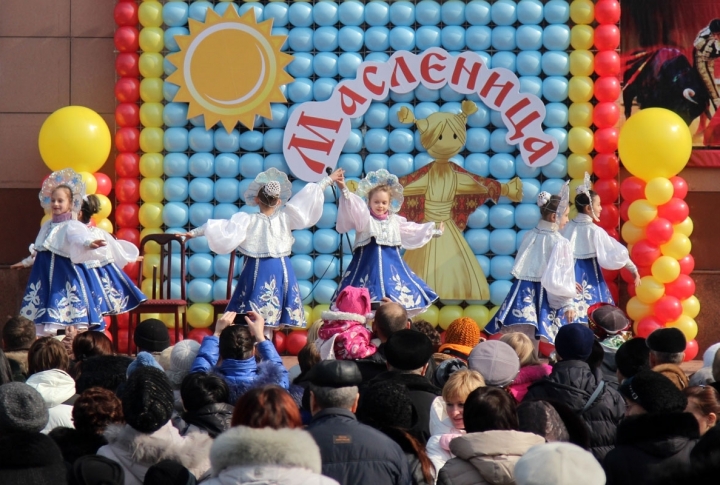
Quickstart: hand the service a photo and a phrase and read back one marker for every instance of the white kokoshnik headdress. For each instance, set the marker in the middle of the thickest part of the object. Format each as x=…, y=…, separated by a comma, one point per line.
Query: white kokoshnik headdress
x=273, y=183
x=584, y=188
x=544, y=197
x=382, y=177
x=66, y=176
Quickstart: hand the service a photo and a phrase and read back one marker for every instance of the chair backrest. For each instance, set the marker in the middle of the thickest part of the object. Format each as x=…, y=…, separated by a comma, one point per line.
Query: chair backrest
x=166, y=242
x=231, y=273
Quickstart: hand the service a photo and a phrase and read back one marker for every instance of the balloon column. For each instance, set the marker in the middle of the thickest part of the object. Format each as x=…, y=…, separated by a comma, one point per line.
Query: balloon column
x=655, y=145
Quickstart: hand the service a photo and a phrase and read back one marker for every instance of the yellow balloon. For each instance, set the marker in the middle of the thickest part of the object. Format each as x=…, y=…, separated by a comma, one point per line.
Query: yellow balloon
x=147, y=287
x=665, y=269
x=448, y=314
x=150, y=261
x=151, y=90
x=309, y=322
x=168, y=319
x=678, y=247
x=151, y=140
x=691, y=306
x=151, y=115
x=200, y=315
x=580, y=114
x=74, y=137
x=580, y=89
x=89, y=181
x=151, y=39
x=685, y=227
x=493, y=311
x=318, y=309
x=151, y=247
x=574, y=184
x=151, y=64
x=582, y=63
x=105, y=225
x=582, y=11
x=582, y=37
x=150, y=14
x=45, y=218
x=579, y=164
x=686, y=325
x=580, y=140
x=151, y=190
x=105, y=207
x=637, y=309
x=650, y=290
x=151, y=165
x=659, y=191
x=654, y=142
x=641, y=212
x=431, y=315
x=573, y=212
x=632, y=233
x=150, y=215
x=479, y=313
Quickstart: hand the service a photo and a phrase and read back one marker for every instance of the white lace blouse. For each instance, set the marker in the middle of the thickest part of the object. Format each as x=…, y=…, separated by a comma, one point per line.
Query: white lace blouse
x=69, y=239
x=117, y=251
x=589, y=240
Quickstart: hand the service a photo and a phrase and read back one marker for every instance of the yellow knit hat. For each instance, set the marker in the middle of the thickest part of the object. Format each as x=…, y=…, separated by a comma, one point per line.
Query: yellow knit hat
x=463, y=331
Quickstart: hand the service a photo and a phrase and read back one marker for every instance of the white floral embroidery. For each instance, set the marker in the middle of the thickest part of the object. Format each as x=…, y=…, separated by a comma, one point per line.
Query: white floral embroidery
x=69, y=307
x=115, y=299
x=271, y=303
x=405, y=298
x=527, y=312
x=30, y=310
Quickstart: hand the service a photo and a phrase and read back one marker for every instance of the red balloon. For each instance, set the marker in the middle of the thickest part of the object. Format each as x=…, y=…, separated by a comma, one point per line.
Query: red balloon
x=123, y=321
x=127, y=90
x=127, y=114
x=606, y=165
x=126, y=64
x=123, y=345
x=647, y=325
x=607, y=63
x=198, y=334
x=126, y=13
x=632, y=291
x=127, y=190
x=613, y=233
x=606, y=140
x=615, y=291
x=609, y=217
x=674, y=211
x=279, y=338
x=624, y=207
x=606, y=114
x=608, y=190
x=545, y=348
x=131, y=269
x=171, y=331
x=127, y=165
x=607, y=37
x=659, y=231
x=644, y=271
x=680, y=186
x=611, y=274
x=687, y=264
x=607, y=11
x=632, y=189
x=644, y=253
x=607, y=88
x=127, y=39
x=295, y=341
x=126, y=215
x=691, y=350
x=496, y=336
x=667, y=309
x=104, y=184
x=682, y=288
x=627, y=276
x=127, y=139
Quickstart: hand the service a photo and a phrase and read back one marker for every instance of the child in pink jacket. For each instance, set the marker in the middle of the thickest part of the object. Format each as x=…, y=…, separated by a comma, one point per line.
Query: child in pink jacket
x=343, y=335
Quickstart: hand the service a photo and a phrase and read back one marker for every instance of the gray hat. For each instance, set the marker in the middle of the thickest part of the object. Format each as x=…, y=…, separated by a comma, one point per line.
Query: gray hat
x=496, y=361
x=558, y=464
x=22, y=408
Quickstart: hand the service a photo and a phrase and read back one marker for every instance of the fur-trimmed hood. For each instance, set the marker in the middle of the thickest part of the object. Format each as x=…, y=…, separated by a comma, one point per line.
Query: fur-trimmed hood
x=243, y=446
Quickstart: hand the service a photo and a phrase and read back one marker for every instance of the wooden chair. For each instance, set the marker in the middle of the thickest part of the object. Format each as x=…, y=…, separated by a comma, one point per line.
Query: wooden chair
x=220, y=305
x=162, y=303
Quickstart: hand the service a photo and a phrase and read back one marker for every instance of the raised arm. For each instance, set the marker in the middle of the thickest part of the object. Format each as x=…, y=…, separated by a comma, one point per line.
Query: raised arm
x=224, y=235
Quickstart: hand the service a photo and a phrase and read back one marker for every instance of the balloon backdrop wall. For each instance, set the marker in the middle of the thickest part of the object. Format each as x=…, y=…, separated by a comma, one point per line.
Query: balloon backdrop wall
x=174, y=174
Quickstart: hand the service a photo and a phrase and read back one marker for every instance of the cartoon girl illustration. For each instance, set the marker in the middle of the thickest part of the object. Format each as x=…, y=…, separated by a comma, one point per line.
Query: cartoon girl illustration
x=442, y=191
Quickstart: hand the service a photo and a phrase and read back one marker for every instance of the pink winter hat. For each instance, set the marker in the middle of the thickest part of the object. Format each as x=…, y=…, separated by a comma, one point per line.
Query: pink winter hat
x=352, y=304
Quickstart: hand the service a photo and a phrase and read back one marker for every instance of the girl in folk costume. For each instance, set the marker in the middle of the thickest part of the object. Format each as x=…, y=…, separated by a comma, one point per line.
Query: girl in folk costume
x=267, y=283
x=60, y=290
x=541, y=299
x=444, y=191
x=120, y=294
x=380, y=235
x=593, y=249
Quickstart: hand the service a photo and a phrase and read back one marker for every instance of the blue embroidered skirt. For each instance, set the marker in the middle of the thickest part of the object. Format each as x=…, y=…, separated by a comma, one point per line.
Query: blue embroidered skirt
x=120, y=295
x=588, y=275
x=384, y=273
x=61, y=293
x=527, y=303
x=268, y=286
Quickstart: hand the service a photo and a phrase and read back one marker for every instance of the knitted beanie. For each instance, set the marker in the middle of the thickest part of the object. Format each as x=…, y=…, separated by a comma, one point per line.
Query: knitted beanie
x=106, y=371
x=22, y=409
x=632, y=357
x=143, y=359
x=496, y=361
x=147, y=399
x=386, y=404
x=574, y=342
x=462, y=331
x=30, y=459
x=152, y=335
x=181, y=359
x=654, y=392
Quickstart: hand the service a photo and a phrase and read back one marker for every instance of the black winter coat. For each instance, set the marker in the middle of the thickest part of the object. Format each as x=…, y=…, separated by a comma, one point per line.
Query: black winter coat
x=212, y=419
x=571, y=382
x=354, y=453
x=648, y=444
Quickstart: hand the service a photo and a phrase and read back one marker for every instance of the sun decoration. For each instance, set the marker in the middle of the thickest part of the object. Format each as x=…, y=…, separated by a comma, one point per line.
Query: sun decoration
x=230, y=68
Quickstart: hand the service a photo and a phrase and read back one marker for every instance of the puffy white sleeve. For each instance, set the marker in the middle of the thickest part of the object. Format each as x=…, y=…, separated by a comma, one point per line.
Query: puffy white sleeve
x=558, y=279
x=414, y=235
x=610, y=253
x=224, y=235
x=353, y=213
x=305, y=208
x=77, y=243
x=123, y=252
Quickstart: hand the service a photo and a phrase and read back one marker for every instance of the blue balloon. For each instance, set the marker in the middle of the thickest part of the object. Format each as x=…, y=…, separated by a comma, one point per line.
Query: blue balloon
x=402, y=13
x=530, y=11
x=175, y=214
x=348, y=240
x=198, y=10
x=328, y=218
x=555, y=63
x=496, y=119
x=504, y=59
x=202, y=165
x=502, y=166
x=556, y=37
x=175, y=189
x=325, y=39
x=325, y=288
x=480, y=218
x=421, y=159
x=325, y=13
x=198, y=214
x=377, y=115
x=377, y=38
x=200, y=266
x=175, y=165
x=175, y=139
x=529, y=37
x=556, y=115
x=352, y=163
x=498, y=143
x=552, y=185
x=377, y=13
x=348, y=63
x=501, y=267
x=168, y=67
x=499, y=291
x=227, y=165
x=502, y=241
x=326, y=266
x=531, y=188
x=169, y=37
x=401, y=140
x=276, y=160
x=393, y=115
x=279, y=116
x=426, y=94
x=427, y=12
x=555, y=89
x=478, y=240
x=423, y=110
x=447, y=93
x=458, y=160
x=560, y=134
x=303, y=242
x=326, y=241
x=200, y=290
x=402, y=38
x=503, y=38
x=453, y=37
x=278, y=11
x=523, y=170
x=377, y=57
x=227, y=190
x=323, y=88
x=201, y=140
x=478, y=163
x=169, y=91
x=529, y=63
x=531, y=85
x=478, y=140
x=300, y=90
x=297, y=186
x=226, y=142
x=351, y=38
x=283, y=32
x=300, y=14
x=201, y=189
x=478, y=37
x=400, y=164
x=300, y=39
x=325, y=64
x=428, y=36
x=375, y=161
x=302, y=265
x=452, y=13
x=477, y=12
x=557, y=11
x=351, y=13
x=272, y=140
x=408, y=97
x=226, y=211
x=221, y=265
x=504, y=12
x=220, y=289
x=502, y=216
x=301, y=65
x=306, y=288
x=354, y=142
x=256, y=6
x=481, y=118
x=527, y=216
x=198, y=120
